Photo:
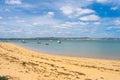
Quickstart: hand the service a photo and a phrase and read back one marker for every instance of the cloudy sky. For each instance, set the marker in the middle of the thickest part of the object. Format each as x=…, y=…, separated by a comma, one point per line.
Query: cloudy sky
x=59, y=18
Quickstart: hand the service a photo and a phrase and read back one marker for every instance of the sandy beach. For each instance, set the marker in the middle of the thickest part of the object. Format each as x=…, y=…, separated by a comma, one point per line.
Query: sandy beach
x=18, y=63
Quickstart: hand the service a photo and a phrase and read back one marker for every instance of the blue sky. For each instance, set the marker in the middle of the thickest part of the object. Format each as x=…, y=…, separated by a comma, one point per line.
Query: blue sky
x=59, y=18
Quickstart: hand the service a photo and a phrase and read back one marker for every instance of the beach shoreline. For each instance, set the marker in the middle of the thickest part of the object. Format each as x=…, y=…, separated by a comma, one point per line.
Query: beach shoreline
x=62, y=55
x=18, y=63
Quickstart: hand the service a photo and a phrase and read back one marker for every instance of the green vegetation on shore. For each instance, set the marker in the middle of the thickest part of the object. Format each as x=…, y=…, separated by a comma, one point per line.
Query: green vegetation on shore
x=3, y=78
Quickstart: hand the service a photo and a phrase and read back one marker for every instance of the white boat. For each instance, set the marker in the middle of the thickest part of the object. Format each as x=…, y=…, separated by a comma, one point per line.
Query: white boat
x=23, y=41
x=59, y=42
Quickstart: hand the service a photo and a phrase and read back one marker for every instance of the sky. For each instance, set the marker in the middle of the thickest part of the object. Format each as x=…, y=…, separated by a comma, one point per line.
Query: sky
x=59, y=18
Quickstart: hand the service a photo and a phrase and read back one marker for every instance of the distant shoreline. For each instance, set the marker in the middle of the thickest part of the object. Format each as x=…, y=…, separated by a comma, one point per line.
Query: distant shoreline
x=60, y=38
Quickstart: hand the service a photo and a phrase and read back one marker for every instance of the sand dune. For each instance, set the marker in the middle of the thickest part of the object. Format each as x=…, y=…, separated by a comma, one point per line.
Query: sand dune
x=18, y=63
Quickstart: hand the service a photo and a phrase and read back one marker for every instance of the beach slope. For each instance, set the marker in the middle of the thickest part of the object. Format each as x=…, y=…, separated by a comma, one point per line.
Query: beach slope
x=18, y=63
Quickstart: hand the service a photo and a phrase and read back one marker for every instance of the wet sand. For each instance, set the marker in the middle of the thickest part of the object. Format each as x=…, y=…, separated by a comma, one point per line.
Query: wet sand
x=18, y=63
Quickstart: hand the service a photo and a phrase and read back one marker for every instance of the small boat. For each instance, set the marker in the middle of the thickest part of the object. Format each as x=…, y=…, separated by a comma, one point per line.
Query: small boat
x=46, y=44
x=59, y=42
x=23, y=41
x=51, y=40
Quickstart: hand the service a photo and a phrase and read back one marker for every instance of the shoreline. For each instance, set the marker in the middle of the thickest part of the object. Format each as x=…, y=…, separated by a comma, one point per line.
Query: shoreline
x=18, y=63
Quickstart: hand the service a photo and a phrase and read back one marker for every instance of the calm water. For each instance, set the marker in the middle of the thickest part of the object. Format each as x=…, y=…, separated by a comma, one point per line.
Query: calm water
x=82, y=48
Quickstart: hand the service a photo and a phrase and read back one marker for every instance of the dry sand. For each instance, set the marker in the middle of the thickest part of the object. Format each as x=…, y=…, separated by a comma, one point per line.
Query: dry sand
x=18, y=63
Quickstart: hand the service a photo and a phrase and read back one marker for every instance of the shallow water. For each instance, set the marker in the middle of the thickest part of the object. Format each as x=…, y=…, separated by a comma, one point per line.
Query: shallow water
x=82, y=48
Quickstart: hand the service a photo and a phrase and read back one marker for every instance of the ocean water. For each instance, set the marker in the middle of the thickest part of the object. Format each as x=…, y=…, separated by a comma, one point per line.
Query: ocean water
x=79, y=48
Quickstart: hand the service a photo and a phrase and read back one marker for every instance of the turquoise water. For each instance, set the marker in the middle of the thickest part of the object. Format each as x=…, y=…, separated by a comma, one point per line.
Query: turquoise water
x=80, y=48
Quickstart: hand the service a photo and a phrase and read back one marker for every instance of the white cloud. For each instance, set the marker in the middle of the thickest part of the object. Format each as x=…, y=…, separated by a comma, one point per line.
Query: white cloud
x=113, y=27
x=13, y=2
x=73, y=3
x=70, y=24
x=112, y=2
x=67, y=10
x=60, y=27
x=101, y=1
x=117, y=22
x=96, y=23
x=27, y=6
x=36, y=21
x=74, y=12
x=114, y=8
x=51, y=14
x=66, y=25
x=83, y=23
x=80, y=11
x=109, y=28
x=92, y=17
x=44, y=21
x=1, y=17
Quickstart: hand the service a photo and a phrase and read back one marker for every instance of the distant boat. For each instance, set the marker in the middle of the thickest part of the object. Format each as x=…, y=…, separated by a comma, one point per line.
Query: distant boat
x=59, y=42
x=46, y=44
x=51, y=40
x=23, y=41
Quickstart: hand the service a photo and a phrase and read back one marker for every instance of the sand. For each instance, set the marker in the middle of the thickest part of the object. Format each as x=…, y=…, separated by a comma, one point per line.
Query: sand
x=18, y=63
